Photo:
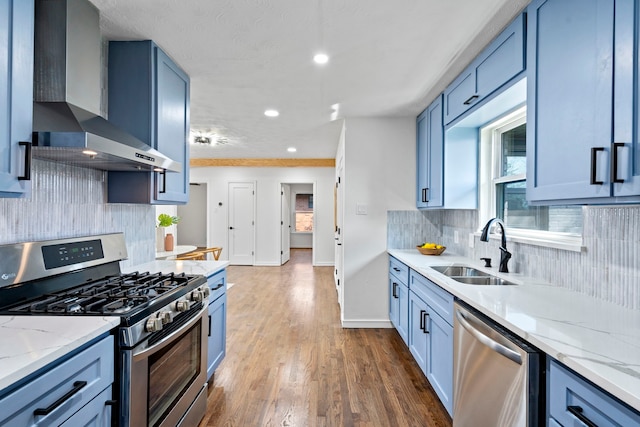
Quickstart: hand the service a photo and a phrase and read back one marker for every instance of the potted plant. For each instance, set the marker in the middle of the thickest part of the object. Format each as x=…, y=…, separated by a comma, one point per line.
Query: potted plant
x=165, y=220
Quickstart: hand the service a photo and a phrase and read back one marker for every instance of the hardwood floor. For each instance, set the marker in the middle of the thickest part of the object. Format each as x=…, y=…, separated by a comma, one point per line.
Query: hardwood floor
x=290, y=363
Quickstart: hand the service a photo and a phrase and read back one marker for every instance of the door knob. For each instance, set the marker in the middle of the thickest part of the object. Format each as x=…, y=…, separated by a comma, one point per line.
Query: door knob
x=230, y=228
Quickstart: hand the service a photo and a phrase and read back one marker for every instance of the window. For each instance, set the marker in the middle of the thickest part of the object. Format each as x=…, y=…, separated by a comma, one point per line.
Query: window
x=304, y=212
x=503, y=185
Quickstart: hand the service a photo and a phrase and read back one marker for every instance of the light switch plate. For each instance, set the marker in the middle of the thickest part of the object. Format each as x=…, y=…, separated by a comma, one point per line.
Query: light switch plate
x=361, y=209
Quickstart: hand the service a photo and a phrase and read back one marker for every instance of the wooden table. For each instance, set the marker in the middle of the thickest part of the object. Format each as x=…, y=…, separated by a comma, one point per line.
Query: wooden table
x=177, y=250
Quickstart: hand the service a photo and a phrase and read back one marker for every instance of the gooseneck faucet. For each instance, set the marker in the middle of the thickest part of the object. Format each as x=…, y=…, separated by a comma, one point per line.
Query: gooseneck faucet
x=505, y=255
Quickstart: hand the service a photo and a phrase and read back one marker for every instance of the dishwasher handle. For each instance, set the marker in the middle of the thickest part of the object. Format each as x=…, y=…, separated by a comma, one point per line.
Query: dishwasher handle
x=493, y=345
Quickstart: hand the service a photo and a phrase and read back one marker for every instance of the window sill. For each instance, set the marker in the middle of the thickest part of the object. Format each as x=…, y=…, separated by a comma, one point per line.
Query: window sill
x=565, y=243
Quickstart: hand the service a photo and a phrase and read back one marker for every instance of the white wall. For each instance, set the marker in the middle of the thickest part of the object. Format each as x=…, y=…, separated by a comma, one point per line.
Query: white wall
x=379, y=175
x=192, y=228
x=267, y=187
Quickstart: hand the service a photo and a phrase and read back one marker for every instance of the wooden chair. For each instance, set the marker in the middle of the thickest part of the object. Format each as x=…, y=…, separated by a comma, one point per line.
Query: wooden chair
x=215, y=251
x=195, y=256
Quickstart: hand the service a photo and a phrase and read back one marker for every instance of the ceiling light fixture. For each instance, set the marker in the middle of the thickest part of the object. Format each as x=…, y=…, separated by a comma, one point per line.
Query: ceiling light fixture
x=271, y=113
x=321, y=58
x=202, y=140
x=292, y=149
x=89, y=153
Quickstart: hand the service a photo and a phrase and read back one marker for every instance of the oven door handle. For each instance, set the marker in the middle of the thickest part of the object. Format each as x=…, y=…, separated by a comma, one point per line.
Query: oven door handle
x=168, y=340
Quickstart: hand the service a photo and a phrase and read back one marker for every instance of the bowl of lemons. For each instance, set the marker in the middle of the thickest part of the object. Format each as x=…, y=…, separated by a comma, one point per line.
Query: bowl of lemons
x=429, y=248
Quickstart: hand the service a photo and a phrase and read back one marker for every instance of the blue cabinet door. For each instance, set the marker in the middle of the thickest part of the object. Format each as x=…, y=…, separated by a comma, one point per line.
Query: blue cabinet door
x=394, y=301
x=217, y=334
x=430, y=144
x=417, y=333
x=16, y=93
x=573, y=67
x=149, y=97
x=440, y=357
x=403, y=312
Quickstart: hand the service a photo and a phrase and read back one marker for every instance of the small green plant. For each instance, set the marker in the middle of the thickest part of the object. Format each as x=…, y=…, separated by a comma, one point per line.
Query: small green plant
x=165, y=220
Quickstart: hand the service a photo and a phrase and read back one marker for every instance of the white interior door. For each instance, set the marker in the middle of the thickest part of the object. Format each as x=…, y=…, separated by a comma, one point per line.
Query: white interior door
x=241, y=223
x=338, y=218
x=285, y=223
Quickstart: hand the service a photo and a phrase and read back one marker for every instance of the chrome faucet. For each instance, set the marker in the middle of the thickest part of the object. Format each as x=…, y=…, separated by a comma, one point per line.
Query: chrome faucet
x=505, y=255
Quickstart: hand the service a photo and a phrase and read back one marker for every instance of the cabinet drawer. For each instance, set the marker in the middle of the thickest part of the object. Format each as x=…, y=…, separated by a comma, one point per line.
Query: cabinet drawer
x=218, y=285
x=439, y=299
x=399, y=270
x=93, y=414
x=569, y=394
x=94, y=365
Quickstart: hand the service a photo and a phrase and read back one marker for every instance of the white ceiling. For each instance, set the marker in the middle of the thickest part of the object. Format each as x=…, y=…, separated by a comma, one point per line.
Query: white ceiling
x=387, y=58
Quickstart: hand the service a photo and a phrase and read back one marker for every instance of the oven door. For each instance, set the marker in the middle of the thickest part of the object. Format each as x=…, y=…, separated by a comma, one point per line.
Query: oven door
x=168, y=374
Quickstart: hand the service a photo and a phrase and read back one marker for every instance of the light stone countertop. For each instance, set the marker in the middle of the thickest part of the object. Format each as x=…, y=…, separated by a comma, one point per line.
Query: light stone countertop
x=28, y=343
x=206, y=268
x=597, y=339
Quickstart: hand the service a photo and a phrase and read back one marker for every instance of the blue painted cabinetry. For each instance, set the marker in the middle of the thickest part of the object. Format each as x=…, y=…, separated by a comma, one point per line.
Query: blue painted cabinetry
x=431, y=334
x=72, y=392
x=399, y=297
x=429, y=156
x=217, y=321
x=149, y=97
x=581, y=104
x=573, y=401
x=16, y=95
x=497, y=64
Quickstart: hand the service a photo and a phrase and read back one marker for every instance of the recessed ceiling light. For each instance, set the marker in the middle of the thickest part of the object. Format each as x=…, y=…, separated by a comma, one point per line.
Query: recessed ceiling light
x=292, y=149
x=321, y=58
x=89, y=152
x=271, y=113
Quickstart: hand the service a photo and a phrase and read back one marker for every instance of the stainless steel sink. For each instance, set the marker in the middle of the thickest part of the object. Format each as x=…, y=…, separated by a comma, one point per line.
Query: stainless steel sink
x=483, y=280
x=471, y=276
x=459, y=271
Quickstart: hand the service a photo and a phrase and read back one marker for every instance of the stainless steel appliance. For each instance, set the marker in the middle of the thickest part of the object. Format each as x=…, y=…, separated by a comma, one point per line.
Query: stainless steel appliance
x=162, y=338
x=498, y=379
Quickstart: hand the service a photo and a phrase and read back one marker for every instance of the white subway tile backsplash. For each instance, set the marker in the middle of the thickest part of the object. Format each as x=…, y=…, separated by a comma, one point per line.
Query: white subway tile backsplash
x=68, y=201
x=609, y=267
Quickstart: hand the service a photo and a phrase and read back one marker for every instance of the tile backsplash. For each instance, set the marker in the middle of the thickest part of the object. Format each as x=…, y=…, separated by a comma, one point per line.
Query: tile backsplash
x=68, y=201
x=608, y=268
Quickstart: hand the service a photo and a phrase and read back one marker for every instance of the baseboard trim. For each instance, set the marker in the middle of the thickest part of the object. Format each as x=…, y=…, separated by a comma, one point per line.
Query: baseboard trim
x=266, y=264
x=324, y=264
x=366, y=324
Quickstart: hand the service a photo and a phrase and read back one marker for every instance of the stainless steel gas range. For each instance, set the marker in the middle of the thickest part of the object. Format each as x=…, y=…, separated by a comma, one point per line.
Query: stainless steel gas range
x=161, y=343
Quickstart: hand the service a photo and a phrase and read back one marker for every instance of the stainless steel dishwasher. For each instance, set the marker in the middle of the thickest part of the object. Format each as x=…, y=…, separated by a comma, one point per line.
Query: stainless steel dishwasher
x=498, y=379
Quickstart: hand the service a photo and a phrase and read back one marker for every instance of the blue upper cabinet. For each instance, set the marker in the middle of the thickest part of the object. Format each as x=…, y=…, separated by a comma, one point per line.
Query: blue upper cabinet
x=149, y=97
x=581, y=146
x=429, y=156
x=501, y=61
x=16, y=93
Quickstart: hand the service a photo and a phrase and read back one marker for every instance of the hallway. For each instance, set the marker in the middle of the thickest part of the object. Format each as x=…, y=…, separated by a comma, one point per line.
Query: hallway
x=290, y=363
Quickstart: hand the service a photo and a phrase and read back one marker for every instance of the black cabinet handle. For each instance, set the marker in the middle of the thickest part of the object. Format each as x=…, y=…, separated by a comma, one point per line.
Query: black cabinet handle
x=393, y=292
x=576, y=411
x=426, y=315
x=77, y=386
x=396, y=269
x=424, y=195
x=27, y=161
x=163, y=176
x=218, y=287
x=614, y=168
x=594, y=155
x=422, y=312
x=470, y=100
x=209, y=325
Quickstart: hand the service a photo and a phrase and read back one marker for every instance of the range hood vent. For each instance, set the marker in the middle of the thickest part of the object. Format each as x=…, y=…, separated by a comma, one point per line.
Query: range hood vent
x=67, y=125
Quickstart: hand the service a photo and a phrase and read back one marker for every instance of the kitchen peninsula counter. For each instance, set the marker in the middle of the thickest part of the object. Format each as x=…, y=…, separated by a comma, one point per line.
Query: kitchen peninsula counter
x=597, y=339
x=206, y=268
x=32, y=342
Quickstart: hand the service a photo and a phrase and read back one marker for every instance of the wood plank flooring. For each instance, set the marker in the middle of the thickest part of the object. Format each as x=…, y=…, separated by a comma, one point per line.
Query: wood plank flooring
x=290, y=363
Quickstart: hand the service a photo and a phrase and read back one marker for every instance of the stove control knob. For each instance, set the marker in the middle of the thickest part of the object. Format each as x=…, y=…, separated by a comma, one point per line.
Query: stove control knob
x=154, y=324
x=206, y=291
x=182, y=306
x=165, y=317
x=196, y=296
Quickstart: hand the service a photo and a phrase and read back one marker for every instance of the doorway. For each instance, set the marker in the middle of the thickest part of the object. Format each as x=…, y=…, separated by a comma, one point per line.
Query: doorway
x=297, y=218
x=241, y=223
x=192, y=228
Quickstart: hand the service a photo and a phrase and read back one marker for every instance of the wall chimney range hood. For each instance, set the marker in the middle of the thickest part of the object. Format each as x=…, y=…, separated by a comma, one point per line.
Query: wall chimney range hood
x=67, y=126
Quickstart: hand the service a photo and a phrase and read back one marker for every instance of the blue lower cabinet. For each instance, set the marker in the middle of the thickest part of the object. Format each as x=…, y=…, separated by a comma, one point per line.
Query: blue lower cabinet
x=399, y=307
x=217, y=341
x=574, y=401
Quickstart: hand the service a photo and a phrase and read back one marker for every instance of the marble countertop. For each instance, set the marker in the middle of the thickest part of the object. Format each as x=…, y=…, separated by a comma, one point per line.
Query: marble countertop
x=206, y=268
x=597, y=339
x=32, y=342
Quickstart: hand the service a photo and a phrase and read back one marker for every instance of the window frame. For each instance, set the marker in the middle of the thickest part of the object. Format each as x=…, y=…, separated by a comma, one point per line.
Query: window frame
x=490, y=174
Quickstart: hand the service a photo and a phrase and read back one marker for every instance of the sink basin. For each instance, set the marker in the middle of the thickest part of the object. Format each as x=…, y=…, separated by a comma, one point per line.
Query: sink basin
x=483, y=280
x=471, y=276
x=459, y=271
